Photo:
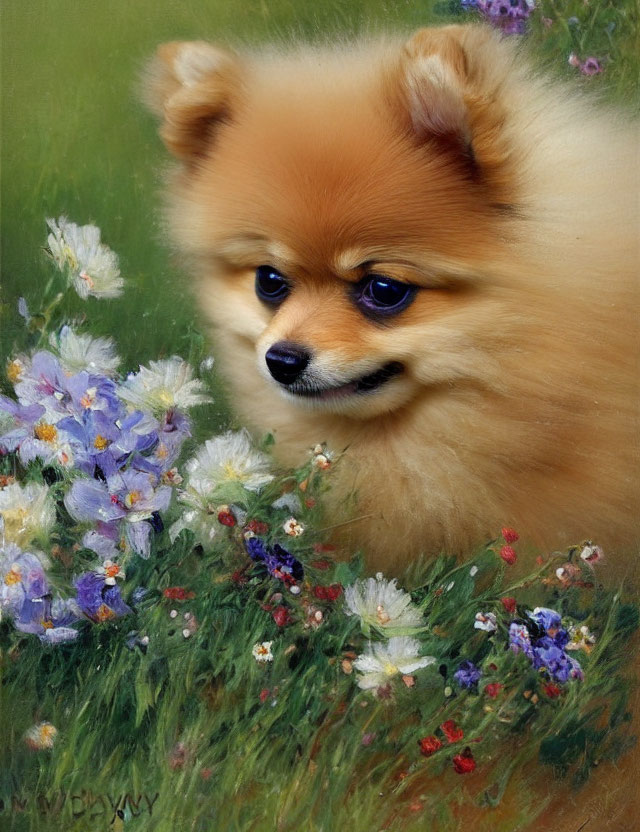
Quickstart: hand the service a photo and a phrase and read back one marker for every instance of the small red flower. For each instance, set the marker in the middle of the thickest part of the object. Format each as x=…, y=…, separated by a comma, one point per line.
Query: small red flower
x=239, y=577
x=334, y=592
x=321, y=564
x=509, y=604
x=508, y=555
x=178, y=593
x=320, y=592
x=309, y=502
x=264, y=695
x=226, y=517
x=429, y=745
x=464, y=763
x=257, y=527
x=552, y=691
x=451, y=731
x=281, y=616
x=510, y=535
x=493, y=689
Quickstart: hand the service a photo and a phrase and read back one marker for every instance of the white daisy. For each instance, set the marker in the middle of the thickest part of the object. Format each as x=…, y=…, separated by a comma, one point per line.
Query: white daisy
x=111, y=572
x=581, y=638
x=25, y=513
x=164, y=385
x=79, y=351
x=380, y=604
x=41, y=736
x=229, y=458
x=292, y=527
x=262, y=652
x=486, y=621
x=383, y=661
x=92, y=266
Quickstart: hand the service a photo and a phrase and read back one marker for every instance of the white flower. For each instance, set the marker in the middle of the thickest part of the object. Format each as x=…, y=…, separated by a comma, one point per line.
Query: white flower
x=591, y=553
x=292, y=527
x=229, y=458
x=25, y=513
x=581, y=639
x=41, y=736
x=473, y=571
x=321, y=458
x=262, y=652
x=382, y=661
x=92, y=266
x=486, y=621
x=380, y=604
x=164, y=385
x=111, y=571
x=79, y=351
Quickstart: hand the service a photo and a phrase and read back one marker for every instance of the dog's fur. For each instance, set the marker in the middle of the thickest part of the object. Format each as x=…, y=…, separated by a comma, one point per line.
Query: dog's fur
x=447, y=162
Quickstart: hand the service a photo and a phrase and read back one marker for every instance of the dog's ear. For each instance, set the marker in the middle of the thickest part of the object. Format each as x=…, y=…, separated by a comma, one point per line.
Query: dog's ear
x=191, y=86
x=434, y=70
x=449, y=80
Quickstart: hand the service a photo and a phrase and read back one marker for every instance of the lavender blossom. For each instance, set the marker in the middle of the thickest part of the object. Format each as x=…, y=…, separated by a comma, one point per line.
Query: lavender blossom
x=467, y=675
x=49, y=619
x=280, y=563
x=98, y=600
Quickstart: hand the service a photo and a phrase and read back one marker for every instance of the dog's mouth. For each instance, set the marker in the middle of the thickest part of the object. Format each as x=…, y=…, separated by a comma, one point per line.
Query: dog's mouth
x=360, y=386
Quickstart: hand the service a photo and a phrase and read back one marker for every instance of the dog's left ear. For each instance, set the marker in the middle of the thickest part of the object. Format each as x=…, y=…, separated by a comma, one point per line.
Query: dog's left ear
x=434, y=70
x=191, y=86
x=447, y=88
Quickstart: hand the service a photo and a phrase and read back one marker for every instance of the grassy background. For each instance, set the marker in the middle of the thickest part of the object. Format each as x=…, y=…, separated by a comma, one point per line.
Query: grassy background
x=76, y=141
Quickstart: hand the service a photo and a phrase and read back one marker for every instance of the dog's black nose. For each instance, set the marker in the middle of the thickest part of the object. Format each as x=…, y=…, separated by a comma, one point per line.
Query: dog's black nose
x=286, y=361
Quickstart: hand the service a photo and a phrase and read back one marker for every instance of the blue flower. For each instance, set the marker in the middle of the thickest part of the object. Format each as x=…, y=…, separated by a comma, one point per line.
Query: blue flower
x=467, y=675
x=127, y=498
x=49, y=619
x=280, y=563
x=22, y=579
x=98, y=600
x=548, y=656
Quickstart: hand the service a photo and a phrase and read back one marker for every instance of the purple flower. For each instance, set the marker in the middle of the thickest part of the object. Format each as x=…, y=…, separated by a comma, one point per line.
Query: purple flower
x=22, y=579
x=547, y=655
x=128, y=498
x=98, y=600
x=24, y=418
x=520, y=639
x=508, y=15
x=280, y=563
x=91, y=392
x=44, y=383
x=49, y=619
x=591, y=66
x=550, y=622
x=467, y=675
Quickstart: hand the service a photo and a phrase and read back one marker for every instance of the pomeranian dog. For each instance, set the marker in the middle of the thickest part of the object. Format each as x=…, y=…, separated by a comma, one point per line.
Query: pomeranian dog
x=423, y=254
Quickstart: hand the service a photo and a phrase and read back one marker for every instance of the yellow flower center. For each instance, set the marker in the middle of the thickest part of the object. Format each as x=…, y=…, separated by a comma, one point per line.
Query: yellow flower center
x=47, y=733
x=14, y=371
x=262, y=651
x=231, y=472
x=162, y=452
x=13, y=576
x=100, y=442
x=389, y=669
x=104, y=613
x=45, y=432
x=112, y=571
x=70, y=256
x=165, y=397
x=89, y=398
x=47, y=624
x=132, y=498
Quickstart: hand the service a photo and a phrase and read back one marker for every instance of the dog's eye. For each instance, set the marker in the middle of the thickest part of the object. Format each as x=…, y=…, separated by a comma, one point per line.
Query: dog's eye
x=271, y=286
x=382, y=295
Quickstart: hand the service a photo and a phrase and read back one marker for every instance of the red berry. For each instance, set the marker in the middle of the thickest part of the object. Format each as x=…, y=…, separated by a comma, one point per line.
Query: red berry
x=334, y=592
x=281, y=616
x=320, y=592
x=493, y=689
x=508, y=555
x=264, y=695
x=464, y=763
x=429, y=745
x=451, y=731
x=509, y=604
x=226, y=518
x=552, y=691
x=510, y=535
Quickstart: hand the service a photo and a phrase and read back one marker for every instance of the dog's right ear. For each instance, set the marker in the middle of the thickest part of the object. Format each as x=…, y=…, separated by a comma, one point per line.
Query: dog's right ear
x=191, y=86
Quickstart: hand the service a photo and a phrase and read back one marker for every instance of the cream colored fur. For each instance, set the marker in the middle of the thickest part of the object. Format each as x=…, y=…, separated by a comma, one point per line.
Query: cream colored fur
x=520, y=398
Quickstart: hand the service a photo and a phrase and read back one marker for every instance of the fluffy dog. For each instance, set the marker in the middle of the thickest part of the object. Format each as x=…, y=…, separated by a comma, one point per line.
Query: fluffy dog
x=423, y=254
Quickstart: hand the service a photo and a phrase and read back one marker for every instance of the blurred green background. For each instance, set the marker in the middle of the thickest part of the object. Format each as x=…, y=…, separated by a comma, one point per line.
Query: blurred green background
x=76, y=141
